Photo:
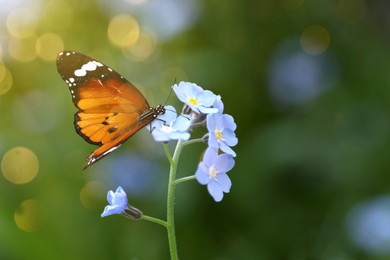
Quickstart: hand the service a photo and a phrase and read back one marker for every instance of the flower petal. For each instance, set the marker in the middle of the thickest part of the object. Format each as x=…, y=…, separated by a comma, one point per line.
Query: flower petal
x=160, y=136
x=207, y=98
x=229, y=122
x=227, y=149
x=219, y=104
x=202, y=175
x=230, y=137
x=207, y=110
x=181, y=123
x=180, y=93
x=106, y=212
x=169, y=116
x=210, y=122
x=224, y=182
x=110, y=197
x=224, y=163
x=111, y=210
x=215, y=191
x=179, y=135
x=209, y=156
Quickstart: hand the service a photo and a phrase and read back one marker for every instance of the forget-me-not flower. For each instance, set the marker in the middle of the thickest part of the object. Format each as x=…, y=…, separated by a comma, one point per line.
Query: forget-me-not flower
x=212, y=172
x=169, y=126
x=199, y=100
x=221, y=129
x=119, y=205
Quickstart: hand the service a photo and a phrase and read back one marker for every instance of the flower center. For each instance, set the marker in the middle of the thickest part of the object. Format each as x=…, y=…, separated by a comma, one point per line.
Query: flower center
x=212, y=172
x=218, y=134
x=193, y=101
x=166, y=129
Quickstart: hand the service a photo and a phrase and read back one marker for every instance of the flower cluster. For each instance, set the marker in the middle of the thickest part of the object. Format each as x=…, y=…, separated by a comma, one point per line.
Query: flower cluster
x=201, y=108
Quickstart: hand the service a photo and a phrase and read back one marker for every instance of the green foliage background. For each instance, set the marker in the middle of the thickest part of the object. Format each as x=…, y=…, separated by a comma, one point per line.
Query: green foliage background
x=300, y=169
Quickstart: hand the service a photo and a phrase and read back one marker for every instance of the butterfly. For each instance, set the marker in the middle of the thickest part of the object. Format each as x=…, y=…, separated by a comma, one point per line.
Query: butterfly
x=110, y=108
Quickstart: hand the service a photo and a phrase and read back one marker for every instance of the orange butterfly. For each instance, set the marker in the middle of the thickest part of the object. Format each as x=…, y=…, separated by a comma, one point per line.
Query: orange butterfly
x=111, y=109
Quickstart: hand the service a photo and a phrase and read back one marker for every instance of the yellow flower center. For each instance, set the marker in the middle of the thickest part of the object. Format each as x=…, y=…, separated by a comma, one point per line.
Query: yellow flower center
x=212, y=172
x=193, y=101
x=218, y=134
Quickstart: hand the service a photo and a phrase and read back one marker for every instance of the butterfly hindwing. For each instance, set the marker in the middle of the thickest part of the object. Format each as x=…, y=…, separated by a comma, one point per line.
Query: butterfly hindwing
x=109, y=106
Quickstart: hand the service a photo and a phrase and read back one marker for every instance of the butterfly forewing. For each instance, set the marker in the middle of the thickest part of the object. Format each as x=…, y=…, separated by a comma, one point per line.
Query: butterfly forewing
x=91, y=79
x=109, y=106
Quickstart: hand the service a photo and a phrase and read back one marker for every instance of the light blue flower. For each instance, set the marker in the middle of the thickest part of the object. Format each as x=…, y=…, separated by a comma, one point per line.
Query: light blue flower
x=221, y=129
x=212, y=172
x=118, y=202
x=119, y=205
x=170, y=126
x=199, y=100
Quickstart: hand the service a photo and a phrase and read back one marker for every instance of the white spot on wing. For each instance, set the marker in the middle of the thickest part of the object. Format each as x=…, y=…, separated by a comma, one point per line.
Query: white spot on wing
x=71, y=80
x=90, y=66
x=80, y=73
x=97, y=63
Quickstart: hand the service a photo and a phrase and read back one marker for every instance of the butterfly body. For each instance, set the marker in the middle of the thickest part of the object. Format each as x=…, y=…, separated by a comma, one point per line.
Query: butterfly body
x=111, y=109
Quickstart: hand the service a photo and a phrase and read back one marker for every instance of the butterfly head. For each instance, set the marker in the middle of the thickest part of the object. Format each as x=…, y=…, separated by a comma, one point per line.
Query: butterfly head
x=160, y=110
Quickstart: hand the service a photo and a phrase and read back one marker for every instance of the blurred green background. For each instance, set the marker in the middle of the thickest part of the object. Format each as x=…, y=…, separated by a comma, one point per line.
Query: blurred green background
x=307, y=82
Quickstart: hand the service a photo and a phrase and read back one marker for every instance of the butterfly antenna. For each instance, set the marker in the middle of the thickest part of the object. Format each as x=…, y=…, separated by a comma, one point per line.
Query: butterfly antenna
x=166, y=101
x=170, y=93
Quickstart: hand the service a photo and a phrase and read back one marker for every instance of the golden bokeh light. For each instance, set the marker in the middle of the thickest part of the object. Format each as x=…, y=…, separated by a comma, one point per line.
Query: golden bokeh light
x=123, y=30
x=23, y=49
x=22, y=22
x=19, y=165
x=48, y=46
x=315, y=39
x=142, y=49
x=92, y=194
x=172, y=75
x=58, y=14
x=5, y=79
x=30, y=216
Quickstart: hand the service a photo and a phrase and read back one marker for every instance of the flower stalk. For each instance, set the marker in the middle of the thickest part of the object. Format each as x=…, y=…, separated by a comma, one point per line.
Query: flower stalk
x=171, y=198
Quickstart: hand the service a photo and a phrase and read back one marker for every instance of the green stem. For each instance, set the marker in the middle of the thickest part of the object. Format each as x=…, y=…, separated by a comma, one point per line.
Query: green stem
x=155, y=220
x=173, y=160
x=171, y=197
x=188, y=178
x=168, y=154
x=193, y=141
